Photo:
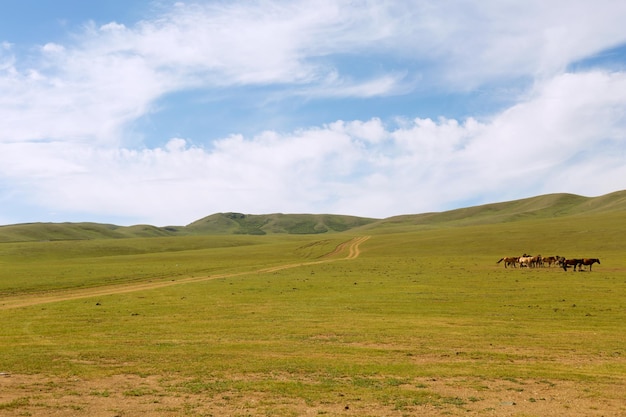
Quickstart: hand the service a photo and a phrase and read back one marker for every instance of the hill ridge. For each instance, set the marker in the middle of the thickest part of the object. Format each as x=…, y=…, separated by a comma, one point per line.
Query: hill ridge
x=543, y=206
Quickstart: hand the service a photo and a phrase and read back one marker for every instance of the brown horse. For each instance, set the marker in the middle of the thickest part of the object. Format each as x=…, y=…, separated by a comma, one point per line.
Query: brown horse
x=589, y=261
x=509, y=260
x=537, y=261
x=566, y=263
x=550, y=260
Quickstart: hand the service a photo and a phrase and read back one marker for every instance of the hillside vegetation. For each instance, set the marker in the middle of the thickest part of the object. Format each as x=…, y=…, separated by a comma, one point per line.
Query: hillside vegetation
x=540, y=207
x=549, y=206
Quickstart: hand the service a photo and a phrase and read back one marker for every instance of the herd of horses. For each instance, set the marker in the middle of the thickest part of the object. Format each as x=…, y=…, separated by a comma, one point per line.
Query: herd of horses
x=528, y=261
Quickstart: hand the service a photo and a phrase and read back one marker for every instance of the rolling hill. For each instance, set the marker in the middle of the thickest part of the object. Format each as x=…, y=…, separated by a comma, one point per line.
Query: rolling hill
x=533, y=208
x=540, y=207
x=238, y=223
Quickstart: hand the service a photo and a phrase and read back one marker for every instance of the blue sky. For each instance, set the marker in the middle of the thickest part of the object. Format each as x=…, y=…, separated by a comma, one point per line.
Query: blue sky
x=163, y=112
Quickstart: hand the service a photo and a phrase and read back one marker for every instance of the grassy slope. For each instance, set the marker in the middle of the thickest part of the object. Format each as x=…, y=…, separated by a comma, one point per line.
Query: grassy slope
x=238, y=223
x=216, y=224
x=542, y=207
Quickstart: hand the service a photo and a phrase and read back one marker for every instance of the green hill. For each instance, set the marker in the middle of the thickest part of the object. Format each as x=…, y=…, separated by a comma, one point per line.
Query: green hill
x=59, y=231
x=238, y=223
x=534, y=208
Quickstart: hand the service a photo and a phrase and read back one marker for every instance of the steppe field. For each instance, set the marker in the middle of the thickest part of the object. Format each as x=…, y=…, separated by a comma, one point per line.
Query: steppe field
x=402, y=317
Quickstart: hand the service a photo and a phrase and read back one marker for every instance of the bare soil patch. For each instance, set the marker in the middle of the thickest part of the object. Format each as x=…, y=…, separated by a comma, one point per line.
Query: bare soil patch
x=131, y=395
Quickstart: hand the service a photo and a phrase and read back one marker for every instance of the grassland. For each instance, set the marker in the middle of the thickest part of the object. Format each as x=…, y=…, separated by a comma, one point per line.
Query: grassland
x=421, y=322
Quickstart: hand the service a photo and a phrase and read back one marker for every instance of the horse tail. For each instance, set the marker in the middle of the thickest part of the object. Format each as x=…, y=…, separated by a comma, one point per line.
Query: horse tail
x=501, y=259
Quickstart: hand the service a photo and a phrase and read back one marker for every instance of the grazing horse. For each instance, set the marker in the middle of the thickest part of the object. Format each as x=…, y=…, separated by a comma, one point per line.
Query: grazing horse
x=509, y=260
x=589, y=261
x=566, y=263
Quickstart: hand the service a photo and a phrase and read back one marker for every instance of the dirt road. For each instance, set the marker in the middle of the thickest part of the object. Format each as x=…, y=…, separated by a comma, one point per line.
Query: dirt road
x=351, y=247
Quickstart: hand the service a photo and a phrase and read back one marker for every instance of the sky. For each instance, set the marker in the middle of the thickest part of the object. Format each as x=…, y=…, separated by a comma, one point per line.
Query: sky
x=163, y=112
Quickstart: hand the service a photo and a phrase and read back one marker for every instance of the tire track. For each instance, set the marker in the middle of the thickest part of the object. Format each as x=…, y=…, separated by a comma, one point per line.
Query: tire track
x=355, y=250
x=352, y=247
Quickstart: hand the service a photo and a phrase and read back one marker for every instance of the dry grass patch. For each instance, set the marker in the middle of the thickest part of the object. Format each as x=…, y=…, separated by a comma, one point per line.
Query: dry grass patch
x=130, y=395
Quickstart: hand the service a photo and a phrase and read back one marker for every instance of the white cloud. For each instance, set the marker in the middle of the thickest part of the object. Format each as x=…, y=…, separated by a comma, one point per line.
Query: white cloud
x=52, y=48
x=568, y=136
x=113, y=74
x=7, y=60
x=371, y=131
x=480, y=42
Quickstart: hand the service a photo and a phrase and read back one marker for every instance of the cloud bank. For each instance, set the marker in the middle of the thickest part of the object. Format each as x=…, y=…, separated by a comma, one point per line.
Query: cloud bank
x=68, y=144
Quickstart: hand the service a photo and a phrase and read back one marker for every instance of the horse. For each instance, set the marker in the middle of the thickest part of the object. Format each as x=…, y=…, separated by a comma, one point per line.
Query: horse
x=550, y=260
x=527, y=261
x=566, y=263
x=509, y=260
x=537, y=261
x=589, y=261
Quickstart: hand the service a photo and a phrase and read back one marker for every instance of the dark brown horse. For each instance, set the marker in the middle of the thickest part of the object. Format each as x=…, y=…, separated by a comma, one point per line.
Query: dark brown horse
x=566, y=263
x=589, y=261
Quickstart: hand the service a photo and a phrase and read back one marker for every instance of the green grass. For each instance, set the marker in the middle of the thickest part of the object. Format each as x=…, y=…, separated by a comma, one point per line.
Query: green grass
x=420, y=303
x=29, y=267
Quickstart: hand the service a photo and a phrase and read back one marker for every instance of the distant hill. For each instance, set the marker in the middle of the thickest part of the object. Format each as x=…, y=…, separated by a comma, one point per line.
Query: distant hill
x=238, y=223
x=215, y=224
x=77, y=231
x=540, y=207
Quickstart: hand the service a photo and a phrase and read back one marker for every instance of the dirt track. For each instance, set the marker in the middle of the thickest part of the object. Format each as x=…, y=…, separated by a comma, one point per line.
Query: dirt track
x=351, y=246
